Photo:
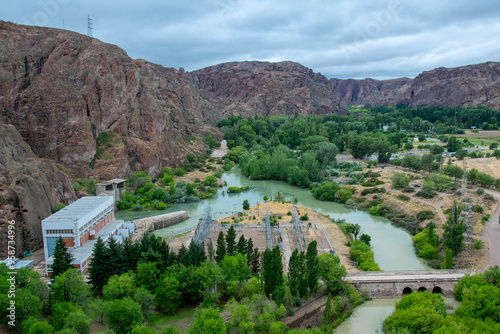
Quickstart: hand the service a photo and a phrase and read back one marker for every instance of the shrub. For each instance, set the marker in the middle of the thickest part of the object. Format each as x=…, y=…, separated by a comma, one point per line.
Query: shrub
x=424, y=215
x=477, y=208
x=161, y=206
x=137, y=207
x=477, y=244
x=403, y=197
x=375, y=210
x=304, y=217
x=480, y=191
x=59, y=207
x=489, y=197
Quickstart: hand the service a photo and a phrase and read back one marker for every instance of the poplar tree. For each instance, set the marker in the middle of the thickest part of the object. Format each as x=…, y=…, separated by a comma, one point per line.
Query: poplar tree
x=231, y=242
x=210, y=250
x=221, y=248
x=98, y=271
x=312, y=271
x=62, y=258
x=294, y=273
x=302, y=289
x=249, y=251
x=267, y=272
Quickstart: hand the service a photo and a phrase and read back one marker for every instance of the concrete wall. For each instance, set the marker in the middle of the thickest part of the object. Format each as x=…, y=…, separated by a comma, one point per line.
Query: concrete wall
x=166, y=220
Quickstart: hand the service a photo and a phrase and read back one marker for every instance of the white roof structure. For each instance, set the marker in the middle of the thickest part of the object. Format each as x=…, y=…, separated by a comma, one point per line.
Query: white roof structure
x=81, y=211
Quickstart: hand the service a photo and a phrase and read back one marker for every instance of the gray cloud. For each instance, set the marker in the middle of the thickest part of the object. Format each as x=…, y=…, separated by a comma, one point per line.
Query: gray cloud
x=342, y=39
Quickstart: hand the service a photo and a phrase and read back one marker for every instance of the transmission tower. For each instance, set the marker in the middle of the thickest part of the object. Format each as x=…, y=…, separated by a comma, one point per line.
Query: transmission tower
x=89, y=26
x=298, y=236
x=467, y=210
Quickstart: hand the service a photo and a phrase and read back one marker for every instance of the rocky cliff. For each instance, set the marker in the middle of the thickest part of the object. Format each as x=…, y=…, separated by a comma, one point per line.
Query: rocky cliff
x=260, y=88
x=460, y=86
x=30, y=188
x=62, y=90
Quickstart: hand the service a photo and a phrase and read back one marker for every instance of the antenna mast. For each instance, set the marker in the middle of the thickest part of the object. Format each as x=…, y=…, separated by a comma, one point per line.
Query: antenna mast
x=89, y=26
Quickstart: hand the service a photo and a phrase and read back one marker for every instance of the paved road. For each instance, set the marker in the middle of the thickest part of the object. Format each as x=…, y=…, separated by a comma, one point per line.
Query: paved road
x=491, y=234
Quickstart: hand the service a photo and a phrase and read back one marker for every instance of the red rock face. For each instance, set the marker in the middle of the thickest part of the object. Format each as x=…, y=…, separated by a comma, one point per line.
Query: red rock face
x=30, y=188
x=260, y=88
x=61, y=90
x=461, y=86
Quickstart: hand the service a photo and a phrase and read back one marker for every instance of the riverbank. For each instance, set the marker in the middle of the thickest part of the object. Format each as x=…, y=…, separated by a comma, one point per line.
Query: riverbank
x=405, y=209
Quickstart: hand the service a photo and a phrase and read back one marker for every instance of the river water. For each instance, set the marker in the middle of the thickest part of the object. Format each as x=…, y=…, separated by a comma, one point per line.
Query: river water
x=392, y=245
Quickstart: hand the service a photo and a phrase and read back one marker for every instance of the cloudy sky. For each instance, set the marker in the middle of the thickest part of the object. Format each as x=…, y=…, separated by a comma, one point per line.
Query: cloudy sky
x=339, y=38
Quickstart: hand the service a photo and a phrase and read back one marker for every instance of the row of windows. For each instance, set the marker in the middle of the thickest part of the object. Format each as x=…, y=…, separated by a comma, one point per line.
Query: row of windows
x=96, y=219
x=59, y=232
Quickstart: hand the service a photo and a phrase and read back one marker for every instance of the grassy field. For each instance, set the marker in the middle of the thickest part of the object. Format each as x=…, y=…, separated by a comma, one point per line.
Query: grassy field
x=181, y=319
x=482, y=138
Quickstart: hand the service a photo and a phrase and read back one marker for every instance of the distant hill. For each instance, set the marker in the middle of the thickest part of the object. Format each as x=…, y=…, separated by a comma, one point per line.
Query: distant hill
x=460, y=86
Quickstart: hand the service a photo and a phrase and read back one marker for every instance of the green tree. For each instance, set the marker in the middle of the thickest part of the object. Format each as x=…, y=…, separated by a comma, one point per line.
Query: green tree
x=312, y=270
x=365, y=238
x=255, y=262
x=147, y=275
x=235, y=268
x=97, y=308
x=146, y=299
x=249, y=251
x=294, y=273
x=168, y=295
x=70, y=287
x=119, y=287
x=123, y=315
x=453, y=144
x=210, y=250
x=242, y=245
x=453, y=231
x=207, y=321
x=195, y=254
x=98, y=271
x=221, y=248
x=448, y=259
x=78, y=321
x=231, y=241
x=399, y=181
x=332, y=272
x=246, y=205
x=62, y=258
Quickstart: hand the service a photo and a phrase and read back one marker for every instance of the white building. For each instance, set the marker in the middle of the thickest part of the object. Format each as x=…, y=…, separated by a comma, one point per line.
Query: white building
x=80, y=224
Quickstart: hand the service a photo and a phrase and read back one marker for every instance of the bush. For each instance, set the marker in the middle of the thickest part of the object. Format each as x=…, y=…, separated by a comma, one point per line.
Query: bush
x=404, y=197
x=477, y=244
x=304, y=217
x=424, y=215
x=477, y=208
x=480, y=191
x=59, y=207
x=137, y=207
x=161, y=206
x=489, y=197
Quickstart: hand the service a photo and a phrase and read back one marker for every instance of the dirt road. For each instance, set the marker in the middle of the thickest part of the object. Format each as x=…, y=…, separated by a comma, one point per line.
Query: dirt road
x=491, y=234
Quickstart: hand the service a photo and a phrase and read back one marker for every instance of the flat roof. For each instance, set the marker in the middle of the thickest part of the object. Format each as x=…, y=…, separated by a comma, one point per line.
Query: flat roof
x=83, y=252
x=84, y=209
x=105, y=183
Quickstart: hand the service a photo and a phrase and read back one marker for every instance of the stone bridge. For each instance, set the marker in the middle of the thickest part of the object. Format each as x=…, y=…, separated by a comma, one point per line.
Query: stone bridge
x=398, y=283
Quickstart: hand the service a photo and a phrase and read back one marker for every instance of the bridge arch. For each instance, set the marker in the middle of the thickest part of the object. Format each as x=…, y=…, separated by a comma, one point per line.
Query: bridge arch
x=437, y=289
x=422, y=289
x=407, y=291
